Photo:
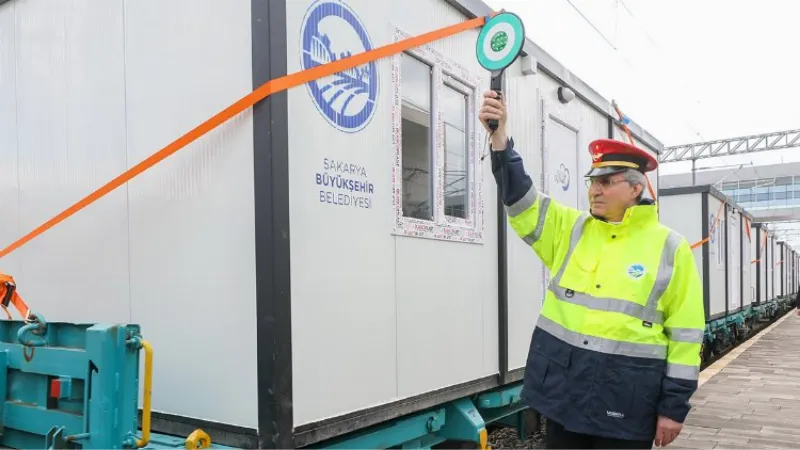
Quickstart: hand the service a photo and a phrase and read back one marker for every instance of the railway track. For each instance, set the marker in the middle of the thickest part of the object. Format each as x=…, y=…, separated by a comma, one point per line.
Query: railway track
x=716, y=357
x=757, y=327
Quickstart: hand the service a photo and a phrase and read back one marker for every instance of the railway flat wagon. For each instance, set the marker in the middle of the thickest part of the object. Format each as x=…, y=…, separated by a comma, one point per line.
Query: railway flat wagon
x=706, y=216
x=328, y=268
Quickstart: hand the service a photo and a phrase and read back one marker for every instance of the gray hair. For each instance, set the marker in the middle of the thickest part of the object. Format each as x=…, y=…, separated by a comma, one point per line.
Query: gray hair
x=634, y=177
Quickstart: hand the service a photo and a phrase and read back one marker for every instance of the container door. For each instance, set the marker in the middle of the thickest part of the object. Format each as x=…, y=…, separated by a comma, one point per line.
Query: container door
x=559, y=164
x=716, y=254
x=734, y=261
x=748, y=291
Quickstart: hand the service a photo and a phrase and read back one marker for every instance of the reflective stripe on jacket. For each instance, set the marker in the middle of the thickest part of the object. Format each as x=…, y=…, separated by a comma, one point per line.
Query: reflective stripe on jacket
x=618, y=338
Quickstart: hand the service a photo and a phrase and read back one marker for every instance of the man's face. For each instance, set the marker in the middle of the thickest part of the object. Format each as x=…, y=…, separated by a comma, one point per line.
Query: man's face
x=610, y=196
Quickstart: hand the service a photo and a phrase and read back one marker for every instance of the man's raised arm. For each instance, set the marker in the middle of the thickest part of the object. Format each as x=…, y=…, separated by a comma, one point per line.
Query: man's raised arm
x=542, y=223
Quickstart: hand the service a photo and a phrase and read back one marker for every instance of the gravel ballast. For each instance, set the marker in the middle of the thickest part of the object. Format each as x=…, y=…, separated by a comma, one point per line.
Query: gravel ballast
x=507, y=439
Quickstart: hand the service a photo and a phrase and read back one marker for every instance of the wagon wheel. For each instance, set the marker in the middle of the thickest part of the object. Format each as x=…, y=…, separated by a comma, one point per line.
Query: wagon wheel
x=705, y=352
x=739, y=333
x=534, y=423
x=718, y=346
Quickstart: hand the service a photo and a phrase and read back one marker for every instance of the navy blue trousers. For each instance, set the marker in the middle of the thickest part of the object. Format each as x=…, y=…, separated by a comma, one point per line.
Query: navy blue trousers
x=557, y=437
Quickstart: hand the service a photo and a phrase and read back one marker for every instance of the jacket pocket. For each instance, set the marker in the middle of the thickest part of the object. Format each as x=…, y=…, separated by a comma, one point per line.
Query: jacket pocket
x=579, y=274
x=550, y=367
x=626, y=394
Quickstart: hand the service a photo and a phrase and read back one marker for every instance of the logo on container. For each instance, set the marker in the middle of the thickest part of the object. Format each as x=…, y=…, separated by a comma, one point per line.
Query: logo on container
x=332, y=31
x=562, y=177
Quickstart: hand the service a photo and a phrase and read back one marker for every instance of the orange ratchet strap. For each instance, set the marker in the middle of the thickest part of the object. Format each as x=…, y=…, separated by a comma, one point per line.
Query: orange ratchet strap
x=630, y=138
x=8, y=295
x=711, y=230
x=763, y=244
x=747, y=228
x=265, y=90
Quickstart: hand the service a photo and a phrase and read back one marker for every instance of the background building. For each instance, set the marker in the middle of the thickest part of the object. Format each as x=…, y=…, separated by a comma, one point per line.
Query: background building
x=770, y=192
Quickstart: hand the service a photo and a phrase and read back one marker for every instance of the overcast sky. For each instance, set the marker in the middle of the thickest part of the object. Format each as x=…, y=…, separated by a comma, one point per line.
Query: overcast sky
x=686, y=71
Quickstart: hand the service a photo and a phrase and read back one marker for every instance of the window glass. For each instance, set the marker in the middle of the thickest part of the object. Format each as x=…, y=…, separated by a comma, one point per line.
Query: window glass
x=415, y=88
x=456, y=175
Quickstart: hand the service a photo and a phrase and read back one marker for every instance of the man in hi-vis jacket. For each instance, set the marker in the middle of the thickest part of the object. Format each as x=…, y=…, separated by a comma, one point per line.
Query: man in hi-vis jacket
x=615, y=354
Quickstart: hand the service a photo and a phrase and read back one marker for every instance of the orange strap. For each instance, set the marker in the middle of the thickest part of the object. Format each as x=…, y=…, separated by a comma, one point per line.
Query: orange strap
x=630, y=138
x=747, y=228
x=711, y=230
x=266, y=89
x=8, y=295
x=763, y=244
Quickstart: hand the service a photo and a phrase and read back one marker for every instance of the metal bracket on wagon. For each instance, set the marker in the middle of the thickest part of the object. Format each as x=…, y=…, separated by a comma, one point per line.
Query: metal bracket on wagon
x=32, y=334
x=460, y=423
x=74, y=385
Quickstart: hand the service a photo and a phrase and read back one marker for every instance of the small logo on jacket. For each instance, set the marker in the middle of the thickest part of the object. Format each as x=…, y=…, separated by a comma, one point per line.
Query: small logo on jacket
x=618, y=415
x=636, y=270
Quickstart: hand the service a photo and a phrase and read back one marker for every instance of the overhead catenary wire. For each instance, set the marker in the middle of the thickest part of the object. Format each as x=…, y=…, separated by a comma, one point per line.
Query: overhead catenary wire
x=622, y=55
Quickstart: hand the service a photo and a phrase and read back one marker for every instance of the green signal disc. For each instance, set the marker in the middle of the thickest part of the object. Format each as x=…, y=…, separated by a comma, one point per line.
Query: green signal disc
x=500, y=41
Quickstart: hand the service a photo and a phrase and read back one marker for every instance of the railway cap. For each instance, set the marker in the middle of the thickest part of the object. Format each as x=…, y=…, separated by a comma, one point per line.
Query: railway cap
x=610, y=156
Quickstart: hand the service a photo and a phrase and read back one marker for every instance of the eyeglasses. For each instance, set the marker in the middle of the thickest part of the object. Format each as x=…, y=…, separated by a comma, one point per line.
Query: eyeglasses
x=604, y=183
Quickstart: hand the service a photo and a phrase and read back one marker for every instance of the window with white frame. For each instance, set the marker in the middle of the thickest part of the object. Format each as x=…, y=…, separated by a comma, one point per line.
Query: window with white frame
x=437, y=177
x=417, y=138
x=456, y=157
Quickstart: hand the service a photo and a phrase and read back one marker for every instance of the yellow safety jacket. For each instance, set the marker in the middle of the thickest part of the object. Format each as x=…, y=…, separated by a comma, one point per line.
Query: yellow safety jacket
x=618, y=338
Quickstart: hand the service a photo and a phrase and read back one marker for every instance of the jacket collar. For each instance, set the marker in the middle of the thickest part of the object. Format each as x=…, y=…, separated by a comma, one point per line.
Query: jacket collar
x=642, y=215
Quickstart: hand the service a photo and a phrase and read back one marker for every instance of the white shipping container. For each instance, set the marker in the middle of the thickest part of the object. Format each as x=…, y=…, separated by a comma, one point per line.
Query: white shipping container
x=330, y=259
x=775, y=277
x=758, y=268
x=791, y=259
x=723, y=261
x=785, y=267
x=794, y=272
x=789, y=262
x=738, y=258
x=779, y=266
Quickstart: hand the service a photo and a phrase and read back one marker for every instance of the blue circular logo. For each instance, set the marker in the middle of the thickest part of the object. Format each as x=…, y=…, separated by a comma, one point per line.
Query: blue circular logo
x=332, y=31
x=636, y=270
x=562, y=177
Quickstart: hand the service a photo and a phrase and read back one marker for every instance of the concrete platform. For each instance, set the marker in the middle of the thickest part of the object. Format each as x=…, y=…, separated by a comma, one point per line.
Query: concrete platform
x=750, y=398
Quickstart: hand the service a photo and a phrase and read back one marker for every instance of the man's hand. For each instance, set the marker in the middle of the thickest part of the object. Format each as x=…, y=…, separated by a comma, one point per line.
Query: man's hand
x=666, y=431
x=494, y=109
x=797, y=311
